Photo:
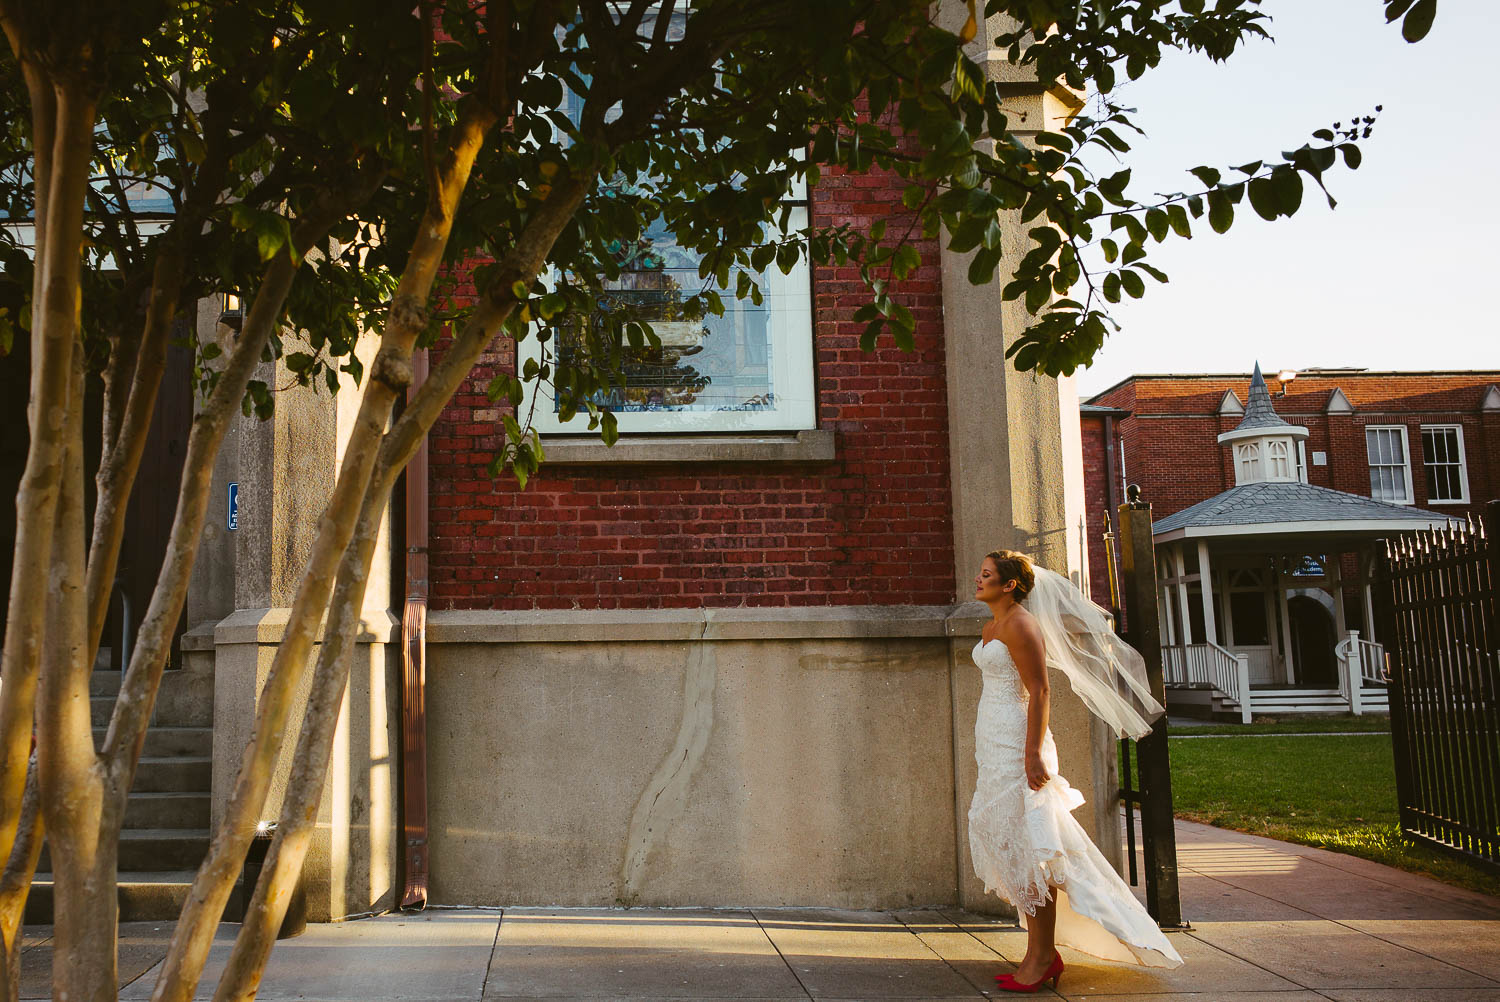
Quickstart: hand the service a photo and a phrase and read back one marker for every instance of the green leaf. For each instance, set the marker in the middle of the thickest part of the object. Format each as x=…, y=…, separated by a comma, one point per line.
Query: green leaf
x=609, y=429
x=268, y=240
x=1156, y=224
x=1419, y=20
x=1220, y=211
x=1207, y=175
x=1178, y=216
x=1134, y=285
x=1110, y=248
x=1263, y=198
x=1352, y=155
x=906, y=261
x=1288, y=190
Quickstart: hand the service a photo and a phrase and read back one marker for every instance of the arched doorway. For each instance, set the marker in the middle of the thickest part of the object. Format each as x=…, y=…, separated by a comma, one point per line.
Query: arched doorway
x=1312, y=642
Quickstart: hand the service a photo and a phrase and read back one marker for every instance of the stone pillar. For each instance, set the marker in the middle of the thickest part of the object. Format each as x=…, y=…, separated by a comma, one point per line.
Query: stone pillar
x=1006, y=450
x=211, y=592
x=287, y=467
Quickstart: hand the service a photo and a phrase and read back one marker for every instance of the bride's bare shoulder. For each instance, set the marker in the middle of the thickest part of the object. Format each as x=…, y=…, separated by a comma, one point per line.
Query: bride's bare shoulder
x=1020, y=627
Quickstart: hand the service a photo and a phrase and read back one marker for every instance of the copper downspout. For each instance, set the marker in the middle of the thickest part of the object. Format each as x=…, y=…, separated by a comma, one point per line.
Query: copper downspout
x=414, y=670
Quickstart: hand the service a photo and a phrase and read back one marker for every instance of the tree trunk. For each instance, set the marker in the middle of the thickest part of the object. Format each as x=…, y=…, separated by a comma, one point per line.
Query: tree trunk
x=299, y=812
x=389, y=375
x=73, y=803
x=36, y=500
x=16, y=882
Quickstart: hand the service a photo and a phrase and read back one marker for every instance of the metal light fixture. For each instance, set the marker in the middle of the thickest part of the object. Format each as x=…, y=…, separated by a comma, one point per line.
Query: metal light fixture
x=1285, y=376
x=232, y=314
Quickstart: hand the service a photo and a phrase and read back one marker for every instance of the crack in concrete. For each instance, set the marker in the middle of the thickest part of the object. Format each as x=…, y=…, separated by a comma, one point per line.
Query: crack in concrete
x=666, y=795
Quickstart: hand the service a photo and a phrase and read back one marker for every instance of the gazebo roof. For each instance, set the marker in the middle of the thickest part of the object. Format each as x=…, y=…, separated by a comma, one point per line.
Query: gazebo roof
x=1280, y=509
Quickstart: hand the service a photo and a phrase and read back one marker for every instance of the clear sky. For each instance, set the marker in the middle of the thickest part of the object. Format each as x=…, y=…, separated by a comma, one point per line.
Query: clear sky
x=1394, y=278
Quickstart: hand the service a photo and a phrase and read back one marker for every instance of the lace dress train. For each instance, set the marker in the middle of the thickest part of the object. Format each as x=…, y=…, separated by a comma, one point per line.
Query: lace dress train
x=1025, y=842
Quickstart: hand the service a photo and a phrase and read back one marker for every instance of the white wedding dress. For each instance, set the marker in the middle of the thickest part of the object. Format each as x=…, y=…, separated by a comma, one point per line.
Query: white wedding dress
x=1025, y=842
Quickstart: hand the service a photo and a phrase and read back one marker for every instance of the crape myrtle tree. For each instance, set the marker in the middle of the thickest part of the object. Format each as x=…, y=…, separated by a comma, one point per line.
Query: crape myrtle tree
x=334, y=162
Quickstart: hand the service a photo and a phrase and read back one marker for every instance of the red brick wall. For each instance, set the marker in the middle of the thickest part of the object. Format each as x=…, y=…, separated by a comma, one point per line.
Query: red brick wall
x=1172, y=452
x=872, y=527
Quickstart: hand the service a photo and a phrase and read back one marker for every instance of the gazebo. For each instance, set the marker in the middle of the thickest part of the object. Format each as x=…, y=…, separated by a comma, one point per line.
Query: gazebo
x=1266, y=601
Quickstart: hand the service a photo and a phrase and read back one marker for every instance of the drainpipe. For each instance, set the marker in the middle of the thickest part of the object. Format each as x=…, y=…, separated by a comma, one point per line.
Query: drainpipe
x=1111, y=517
x=414, y=670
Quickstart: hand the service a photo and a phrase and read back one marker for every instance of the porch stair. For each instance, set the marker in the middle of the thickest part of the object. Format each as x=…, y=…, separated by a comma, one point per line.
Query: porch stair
x=166, y=832
x=1294, y=701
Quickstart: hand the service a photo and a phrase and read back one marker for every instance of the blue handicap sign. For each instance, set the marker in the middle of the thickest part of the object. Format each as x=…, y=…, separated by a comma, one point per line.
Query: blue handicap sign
x=234, y=506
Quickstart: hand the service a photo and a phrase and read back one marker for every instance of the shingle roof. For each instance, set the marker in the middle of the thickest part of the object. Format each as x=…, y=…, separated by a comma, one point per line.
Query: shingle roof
x=1259, y=411
x=1260, y=504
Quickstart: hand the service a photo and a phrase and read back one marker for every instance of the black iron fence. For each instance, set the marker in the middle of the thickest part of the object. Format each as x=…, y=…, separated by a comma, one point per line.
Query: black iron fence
x=1439, y=607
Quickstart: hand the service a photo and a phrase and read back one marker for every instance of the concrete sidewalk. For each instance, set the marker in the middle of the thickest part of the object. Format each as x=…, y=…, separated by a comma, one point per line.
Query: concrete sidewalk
x=1271, y=922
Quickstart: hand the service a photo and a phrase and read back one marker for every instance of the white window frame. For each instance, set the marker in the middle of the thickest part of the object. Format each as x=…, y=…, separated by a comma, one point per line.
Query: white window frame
x=1463, y=463
x=1248, y=468
x=1279, y=461
x=1406, y=457
x=1302, y=461
x=791, y=371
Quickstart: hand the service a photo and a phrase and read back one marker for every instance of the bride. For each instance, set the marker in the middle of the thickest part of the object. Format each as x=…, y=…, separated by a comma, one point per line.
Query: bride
x=1026, y=846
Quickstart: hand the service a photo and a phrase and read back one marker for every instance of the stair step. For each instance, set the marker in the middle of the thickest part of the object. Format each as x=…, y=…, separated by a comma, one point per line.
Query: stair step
x=104, y=682
x=152, y=850
x=167, y=810
x=143, y=896
x=174, y=774
x=169, y=742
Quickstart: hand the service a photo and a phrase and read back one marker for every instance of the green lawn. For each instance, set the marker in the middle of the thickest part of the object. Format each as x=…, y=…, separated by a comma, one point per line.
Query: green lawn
x=1328, y=791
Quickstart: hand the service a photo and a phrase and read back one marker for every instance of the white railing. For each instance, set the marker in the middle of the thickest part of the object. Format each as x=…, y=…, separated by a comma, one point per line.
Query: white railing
x=1361, y=666
x=1211, y=665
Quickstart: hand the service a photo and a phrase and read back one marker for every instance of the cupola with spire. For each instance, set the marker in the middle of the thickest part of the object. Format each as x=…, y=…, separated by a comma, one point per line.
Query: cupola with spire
x=1264, y=445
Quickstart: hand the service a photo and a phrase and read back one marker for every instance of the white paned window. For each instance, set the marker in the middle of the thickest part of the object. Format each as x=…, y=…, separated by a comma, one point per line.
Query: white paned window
x=1443, y=462
x=1390, y=463
x=1247, y=460
x=750, y=370
x=1281, y=460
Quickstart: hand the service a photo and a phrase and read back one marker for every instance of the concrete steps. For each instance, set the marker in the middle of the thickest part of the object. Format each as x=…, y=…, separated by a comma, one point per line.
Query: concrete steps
x=144, y=896
x=151, y=850
x=155, y=810
x=166, y=831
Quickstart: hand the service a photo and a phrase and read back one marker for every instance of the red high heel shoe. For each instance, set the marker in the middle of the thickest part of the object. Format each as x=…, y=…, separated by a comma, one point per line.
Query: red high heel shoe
x=1008, y=982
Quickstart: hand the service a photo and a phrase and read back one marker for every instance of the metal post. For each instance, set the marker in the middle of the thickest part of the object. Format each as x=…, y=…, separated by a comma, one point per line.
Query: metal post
x=1158, y=837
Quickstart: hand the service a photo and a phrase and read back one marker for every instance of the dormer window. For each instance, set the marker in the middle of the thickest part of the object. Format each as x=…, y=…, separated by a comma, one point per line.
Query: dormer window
x=1247, y=462
x=1263, y=443
x=1280, y=461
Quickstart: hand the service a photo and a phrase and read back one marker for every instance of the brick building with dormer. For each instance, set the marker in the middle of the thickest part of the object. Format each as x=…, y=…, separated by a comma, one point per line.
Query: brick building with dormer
x=1268, y=498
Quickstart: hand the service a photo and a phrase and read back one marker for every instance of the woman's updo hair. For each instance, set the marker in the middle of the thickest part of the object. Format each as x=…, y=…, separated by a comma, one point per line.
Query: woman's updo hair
x=1014, y=566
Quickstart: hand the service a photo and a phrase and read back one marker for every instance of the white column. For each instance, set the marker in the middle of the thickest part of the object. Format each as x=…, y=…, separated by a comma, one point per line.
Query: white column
x=1288, y=660
x=1182, y=592
x=1228, y=607
x=1356, y=675
x=1169, y=626
x=1206, y=589
x=1336, y=586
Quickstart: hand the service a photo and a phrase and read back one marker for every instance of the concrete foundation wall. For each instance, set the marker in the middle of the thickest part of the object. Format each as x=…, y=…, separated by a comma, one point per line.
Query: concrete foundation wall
x=351, y=864
x=710, y=757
